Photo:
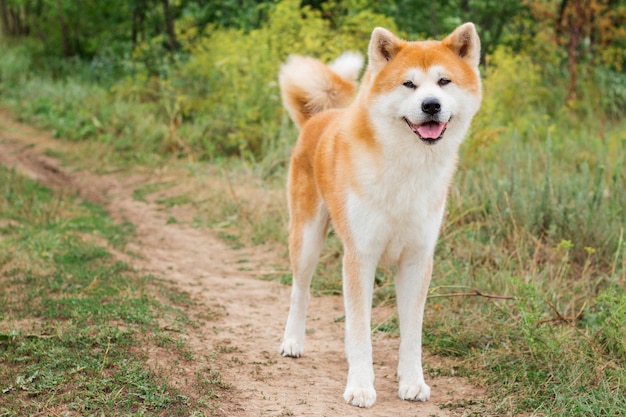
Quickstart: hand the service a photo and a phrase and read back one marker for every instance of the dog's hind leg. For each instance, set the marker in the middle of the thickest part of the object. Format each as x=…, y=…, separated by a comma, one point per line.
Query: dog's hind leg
x=306, y=239
x=412, y=280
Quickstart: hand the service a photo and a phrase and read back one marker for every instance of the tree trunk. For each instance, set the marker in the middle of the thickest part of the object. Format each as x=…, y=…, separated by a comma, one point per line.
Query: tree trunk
x=15, y=23
x=76, y=47
x=4, y=12
x=65, y=34
x=139, y=16
x=169, y=26
x=572, y=50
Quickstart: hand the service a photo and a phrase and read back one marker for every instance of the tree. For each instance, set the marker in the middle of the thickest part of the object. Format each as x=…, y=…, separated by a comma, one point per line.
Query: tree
x=585, y=29
x=436, y=19
x=83, y=27
x=172, y=43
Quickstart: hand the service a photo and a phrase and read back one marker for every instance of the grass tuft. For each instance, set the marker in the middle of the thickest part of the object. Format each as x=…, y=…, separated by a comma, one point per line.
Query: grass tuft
x=75, y=322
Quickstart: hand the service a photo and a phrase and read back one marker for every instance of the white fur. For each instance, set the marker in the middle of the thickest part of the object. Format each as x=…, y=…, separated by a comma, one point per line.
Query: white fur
x=314, y=234
x=348, y=65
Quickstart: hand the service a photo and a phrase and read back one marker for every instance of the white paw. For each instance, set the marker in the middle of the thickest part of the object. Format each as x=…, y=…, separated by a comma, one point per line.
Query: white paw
x=360, y=397
x=414, y=392
x=292, y=348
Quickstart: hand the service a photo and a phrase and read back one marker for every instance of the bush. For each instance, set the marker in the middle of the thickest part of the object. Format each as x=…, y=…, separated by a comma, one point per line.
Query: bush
x=542, y=167
x=228, y=88
x=14, y=65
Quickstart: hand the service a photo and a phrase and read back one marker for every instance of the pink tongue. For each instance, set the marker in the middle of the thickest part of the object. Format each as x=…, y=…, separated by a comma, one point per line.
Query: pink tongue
x=431, y=130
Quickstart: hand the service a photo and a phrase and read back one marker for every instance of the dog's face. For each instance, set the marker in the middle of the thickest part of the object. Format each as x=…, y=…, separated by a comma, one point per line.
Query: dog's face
x=427, y=89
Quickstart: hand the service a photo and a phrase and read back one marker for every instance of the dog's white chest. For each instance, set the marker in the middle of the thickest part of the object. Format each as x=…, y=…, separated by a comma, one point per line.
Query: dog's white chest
x=398, y=207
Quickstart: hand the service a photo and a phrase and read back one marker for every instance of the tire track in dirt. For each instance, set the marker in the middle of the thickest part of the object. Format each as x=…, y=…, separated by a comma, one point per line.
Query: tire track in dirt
x=242, y=341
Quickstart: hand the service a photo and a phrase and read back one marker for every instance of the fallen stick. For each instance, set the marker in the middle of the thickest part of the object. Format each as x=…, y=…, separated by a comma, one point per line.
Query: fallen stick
x=473, y=293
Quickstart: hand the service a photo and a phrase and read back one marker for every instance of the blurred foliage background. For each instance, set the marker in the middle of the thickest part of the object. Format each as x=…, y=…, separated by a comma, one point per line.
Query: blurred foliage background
x=213, y=64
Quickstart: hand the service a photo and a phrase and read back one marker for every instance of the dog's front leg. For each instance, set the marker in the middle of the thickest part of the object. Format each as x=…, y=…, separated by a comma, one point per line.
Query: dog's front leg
x=412, y=281
x=358, y=283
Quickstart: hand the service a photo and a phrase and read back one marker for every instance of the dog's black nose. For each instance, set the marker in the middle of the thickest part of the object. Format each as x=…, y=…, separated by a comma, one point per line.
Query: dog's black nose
x=431, y=106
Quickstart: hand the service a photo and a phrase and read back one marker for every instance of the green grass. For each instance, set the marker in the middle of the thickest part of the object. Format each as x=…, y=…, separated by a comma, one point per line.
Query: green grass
x=144, y=190
x=75, y=323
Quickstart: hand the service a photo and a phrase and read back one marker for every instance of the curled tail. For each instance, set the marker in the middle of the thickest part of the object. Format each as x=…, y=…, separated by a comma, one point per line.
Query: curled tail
x=308, y=86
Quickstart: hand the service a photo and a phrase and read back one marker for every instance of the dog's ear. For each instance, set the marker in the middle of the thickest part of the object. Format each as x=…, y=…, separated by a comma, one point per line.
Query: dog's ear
x=465, y=43
x=384, y=45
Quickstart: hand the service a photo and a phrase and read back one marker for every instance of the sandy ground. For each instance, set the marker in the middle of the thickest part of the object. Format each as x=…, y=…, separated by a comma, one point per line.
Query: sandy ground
x=242, y=340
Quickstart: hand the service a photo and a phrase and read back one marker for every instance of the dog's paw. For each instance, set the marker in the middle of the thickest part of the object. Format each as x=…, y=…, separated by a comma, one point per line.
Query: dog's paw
x=360, y=397
x=414, y=392
x=292, y=348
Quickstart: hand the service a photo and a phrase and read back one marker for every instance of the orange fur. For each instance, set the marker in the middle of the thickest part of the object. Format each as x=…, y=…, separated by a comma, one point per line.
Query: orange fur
x=425, y=55
x=324, y=89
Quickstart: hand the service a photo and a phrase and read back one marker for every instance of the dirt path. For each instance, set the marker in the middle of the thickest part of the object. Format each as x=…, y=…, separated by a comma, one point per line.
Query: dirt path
x=246, y=331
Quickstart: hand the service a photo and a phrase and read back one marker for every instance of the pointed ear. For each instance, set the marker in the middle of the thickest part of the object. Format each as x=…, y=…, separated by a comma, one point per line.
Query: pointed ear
x=465, y=43
x=384, y=45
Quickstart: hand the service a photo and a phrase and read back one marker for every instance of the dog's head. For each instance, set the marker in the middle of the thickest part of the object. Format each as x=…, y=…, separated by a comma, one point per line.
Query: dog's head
x=429, y=89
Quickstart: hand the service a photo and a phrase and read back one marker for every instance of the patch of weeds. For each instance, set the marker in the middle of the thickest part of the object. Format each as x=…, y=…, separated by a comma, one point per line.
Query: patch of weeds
x=227, y=349
x=388, y=326
x=285, y=413
x=53, y=153
x=210, y=378
x=75, y=320
x=211, y=386
x=207, y=315
x=469, y=407
x=438, y=371
x=173, y=295
x=179, y=200
x=234, y=239
x=97, y=222
x=285, y=279
x=141, y=192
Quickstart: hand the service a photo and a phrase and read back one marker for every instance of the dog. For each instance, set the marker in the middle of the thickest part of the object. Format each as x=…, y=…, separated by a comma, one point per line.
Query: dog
x=376, y=161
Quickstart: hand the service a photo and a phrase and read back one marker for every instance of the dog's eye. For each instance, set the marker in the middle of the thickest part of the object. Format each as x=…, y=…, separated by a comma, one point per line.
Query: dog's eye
x=409, y=84
x=443, y=81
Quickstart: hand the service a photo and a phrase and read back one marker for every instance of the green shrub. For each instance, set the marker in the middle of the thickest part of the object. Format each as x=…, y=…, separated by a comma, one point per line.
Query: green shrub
x=227, y=90
x=537, y=166
x=15, y=65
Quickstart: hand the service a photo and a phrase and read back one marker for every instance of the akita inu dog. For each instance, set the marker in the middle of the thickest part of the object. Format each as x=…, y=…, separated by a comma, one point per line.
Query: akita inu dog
x=378, y=167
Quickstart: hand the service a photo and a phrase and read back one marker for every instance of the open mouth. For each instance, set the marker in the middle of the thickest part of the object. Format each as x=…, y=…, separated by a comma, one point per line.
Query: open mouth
x=429, y=132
